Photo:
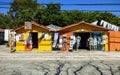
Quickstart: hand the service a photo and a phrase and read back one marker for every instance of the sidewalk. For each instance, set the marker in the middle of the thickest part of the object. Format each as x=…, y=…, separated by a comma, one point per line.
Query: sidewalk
x=58, y=55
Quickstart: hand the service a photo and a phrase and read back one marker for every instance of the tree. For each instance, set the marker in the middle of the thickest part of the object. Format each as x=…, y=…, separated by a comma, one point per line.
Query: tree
x=22, y=10
x=5, y=21
x=29, y=10
x=19, y=5
x=52, y=13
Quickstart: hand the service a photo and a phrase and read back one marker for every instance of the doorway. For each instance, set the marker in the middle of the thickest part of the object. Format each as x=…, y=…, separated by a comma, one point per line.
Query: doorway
x=84, y=39
x=34, y=40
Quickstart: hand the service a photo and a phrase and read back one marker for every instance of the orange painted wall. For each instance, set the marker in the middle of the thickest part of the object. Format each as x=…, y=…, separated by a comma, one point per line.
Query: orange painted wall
x=68, y=34
x=114, y=40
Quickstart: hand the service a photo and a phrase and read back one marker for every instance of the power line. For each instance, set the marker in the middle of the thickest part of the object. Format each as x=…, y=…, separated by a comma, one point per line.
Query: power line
x=96, y=10
x=80, y=10
x=96, y=4
x=86, y=4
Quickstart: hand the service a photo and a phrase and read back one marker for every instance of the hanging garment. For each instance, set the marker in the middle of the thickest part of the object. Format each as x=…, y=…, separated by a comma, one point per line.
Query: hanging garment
x=21, y=36
x=95, y=43
x=74, y=39
x=99, y=43
x=95, y=40
x=56, y=36
x=29, y=38
x=95, y=23
x=42, y=36
x=116, y=28
x=101, y=22
x=55, y=39
x=99, y=40
x=112, y=27
x=25, y=42
x=104, y=37
x=105, y=24
x=28, y=42
x=91, y=43
x=74, y=43
x=46, y=36
x=60, y=43
x=14, y=37
x=17, y=37
x=78, y=41
x=71, y=42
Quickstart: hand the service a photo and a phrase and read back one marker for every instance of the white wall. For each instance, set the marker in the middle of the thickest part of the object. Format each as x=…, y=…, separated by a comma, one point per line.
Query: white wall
x=6, y=34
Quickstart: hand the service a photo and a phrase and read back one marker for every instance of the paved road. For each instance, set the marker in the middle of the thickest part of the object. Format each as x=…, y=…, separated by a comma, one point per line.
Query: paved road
x=76, y=55
x=59, y=63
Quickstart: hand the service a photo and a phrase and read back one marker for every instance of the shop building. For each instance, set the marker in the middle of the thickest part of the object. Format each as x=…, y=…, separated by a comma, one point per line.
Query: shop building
x=55, y=36
x=79, y=36
x=83, y=31
x=31, y=37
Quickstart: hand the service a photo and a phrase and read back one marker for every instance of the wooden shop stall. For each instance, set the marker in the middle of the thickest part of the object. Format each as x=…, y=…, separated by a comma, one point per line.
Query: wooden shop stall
x=114, y=40
x=84, y=30
x=31, y=37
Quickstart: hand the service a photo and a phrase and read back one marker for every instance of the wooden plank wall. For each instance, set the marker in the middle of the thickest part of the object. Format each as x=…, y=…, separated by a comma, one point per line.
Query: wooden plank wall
x=68, y=34
x=114, y=40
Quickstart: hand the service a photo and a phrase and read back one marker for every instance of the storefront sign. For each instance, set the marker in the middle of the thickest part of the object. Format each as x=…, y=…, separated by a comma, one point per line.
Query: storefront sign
x=28, y=25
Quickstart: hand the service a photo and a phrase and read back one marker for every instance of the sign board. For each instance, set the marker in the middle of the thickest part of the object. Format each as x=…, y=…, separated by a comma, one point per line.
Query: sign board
x=28, y=25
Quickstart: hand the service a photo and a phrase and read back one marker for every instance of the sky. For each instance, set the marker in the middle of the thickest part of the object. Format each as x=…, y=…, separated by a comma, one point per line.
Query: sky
x=75, y=7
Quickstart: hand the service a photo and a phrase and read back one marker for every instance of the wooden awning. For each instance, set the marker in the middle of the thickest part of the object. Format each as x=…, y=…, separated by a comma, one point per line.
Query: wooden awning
x=82, y=25
x=40, y=26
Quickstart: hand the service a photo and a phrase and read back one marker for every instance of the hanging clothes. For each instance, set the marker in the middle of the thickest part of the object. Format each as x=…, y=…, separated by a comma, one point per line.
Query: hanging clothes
x=91, y=43
x=104, y=37
x=64, y=42
x=99, y=43
x=29, y=39
x=14, y=37
x=46, y=36
x=60, y=42
x=74, y=39
x=105, y=24
x=95, y=42
x=55, y=39
x=28, y=42
x=78, y=41
x=74, y=43
x=71, y=42
x=17, y=37
x=101, y=22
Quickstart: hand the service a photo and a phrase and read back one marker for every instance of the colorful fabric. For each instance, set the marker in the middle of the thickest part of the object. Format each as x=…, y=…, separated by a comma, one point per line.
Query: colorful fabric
x=55, y=39
x=91, y=41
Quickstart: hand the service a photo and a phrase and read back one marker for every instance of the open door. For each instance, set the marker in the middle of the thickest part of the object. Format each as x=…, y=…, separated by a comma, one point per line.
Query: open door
x=83, y=44
x=34, y=40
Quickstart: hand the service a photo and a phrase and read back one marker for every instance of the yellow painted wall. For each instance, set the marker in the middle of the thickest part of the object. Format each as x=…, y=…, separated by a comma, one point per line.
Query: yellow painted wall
x=106, y=45
x=20, y=46
x=43, y=45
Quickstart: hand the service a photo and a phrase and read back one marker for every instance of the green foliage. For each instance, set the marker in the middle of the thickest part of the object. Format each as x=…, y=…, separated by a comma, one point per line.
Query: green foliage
x=29, y=10
x=19, y=5
x=5, y=21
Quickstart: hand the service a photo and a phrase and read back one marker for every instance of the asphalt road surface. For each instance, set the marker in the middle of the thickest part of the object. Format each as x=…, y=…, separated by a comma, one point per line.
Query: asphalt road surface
x=59, y=63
